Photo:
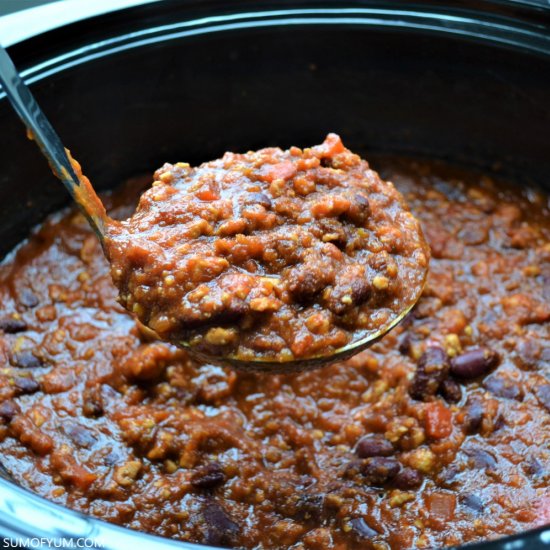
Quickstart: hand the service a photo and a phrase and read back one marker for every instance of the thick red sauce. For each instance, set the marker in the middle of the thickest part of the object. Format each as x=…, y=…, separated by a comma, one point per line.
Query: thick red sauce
x=270, y=255
x=437, y=435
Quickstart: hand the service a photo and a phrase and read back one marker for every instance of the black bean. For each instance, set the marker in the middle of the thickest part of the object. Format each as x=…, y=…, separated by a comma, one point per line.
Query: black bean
x=542, y=393
x=9, y=409
x=373, y=445
x=11, y=326
x=26, y=385
x=481, y=459
x=450, y=390
x=474, y=363
x=220, y=527
x=208, y=476
x=26, y=360
x=431, y=370
x=472, y=501
x=361, y=529
x=473, y=416
x=379, y=470
x=504, y=387
x=28, y=299
x=407, y=478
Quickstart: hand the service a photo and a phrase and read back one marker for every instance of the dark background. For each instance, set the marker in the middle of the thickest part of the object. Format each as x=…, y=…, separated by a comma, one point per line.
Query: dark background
x=9, y=6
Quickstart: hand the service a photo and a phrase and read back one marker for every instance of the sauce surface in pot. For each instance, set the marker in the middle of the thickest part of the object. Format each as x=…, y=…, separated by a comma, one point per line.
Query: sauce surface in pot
x=437, y=435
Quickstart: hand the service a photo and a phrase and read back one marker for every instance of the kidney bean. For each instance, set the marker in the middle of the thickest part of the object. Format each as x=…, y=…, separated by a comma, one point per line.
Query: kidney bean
x=220, y=527
x=336, y=230
x=310, y=277
x=431, y=370
x=80, y=435
x=504, y=387
x=407, y=478
x=209, y=476
x=28, y=299
x=26, y=360
x=26, y=385
x=352, y=469
x=359, y=209
x=378, y=470
x=405, y=344
x=474, y=363
x=373, y=445
x=481, y=459
x=310, y=506
x=8, y=409
x=473, y=415
x=450, y=390
x=12, y=326
x=92, y=406
x=349, y=283
x=533, y=467
x=471, y=501
x=361, y=529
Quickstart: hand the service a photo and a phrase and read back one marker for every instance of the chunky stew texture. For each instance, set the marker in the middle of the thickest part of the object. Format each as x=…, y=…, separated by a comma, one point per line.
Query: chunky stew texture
x=270, y=255
x=438, y=435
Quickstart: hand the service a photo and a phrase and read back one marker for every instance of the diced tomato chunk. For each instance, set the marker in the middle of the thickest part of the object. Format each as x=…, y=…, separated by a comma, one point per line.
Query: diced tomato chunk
x=280, y=171
x=438, y=420
x=331, y=146
x=441, y=505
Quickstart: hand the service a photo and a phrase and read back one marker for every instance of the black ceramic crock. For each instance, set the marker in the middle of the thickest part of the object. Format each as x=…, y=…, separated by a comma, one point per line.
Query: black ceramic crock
x=188, y=80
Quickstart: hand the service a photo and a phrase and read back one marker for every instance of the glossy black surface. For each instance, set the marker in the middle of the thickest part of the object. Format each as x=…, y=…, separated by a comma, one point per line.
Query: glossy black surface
x=38, y=126
x=185, y=81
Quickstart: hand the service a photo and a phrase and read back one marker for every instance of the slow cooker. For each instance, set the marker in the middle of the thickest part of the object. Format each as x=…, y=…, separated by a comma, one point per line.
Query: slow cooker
x=467, y=81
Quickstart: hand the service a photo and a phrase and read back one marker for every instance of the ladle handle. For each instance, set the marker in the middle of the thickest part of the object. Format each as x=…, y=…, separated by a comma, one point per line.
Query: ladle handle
x=40, y=129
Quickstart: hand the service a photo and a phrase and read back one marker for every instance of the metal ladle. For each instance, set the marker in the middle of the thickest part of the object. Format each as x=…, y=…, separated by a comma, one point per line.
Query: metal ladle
x=40, y=130
x=81, y=190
